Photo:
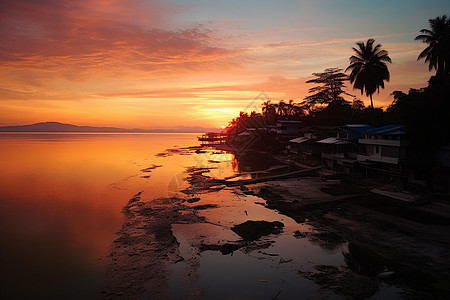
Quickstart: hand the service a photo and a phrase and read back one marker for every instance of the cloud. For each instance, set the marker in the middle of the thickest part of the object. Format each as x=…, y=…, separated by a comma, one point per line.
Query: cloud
x=276, y=85
x=80, y=39
x=147, y=60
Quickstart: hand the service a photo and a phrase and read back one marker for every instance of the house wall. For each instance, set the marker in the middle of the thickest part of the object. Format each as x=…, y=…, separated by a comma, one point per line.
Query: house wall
x=288, y=128
x=385, y=151
x=309, y=135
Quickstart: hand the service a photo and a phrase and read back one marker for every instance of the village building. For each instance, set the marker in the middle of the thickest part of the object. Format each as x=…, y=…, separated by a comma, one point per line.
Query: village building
x=305, y=149
x=386, y=144
x=339, y=153
x=288, y=129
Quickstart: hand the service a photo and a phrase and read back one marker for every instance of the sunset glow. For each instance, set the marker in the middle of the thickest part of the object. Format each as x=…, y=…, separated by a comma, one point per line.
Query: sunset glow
x=160, y=64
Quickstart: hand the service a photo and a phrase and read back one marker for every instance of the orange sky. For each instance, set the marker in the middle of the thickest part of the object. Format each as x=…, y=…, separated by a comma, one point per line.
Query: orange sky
x=153, y=64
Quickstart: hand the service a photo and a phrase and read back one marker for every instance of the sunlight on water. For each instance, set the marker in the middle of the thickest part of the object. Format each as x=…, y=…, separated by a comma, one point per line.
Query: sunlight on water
x=61, y=201
x=61, y=197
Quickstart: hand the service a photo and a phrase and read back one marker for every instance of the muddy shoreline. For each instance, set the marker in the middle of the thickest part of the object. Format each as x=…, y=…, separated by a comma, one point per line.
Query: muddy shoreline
x=386, y=242
x=390, y=241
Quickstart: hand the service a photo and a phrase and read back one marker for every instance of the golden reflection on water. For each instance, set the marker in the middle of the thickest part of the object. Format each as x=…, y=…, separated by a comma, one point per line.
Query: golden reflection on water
x=61, y=196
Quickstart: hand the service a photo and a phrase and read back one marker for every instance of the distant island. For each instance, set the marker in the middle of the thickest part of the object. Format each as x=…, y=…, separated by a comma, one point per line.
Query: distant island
x=61, y=127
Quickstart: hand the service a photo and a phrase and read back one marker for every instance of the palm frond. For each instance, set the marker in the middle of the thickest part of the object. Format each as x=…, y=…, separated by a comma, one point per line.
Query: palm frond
x=368, y=67
x=436, y=54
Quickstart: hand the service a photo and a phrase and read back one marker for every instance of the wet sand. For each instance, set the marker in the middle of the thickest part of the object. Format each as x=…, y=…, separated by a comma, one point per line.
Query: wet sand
x=360, y=244
x=142, y=255
x=389, y=241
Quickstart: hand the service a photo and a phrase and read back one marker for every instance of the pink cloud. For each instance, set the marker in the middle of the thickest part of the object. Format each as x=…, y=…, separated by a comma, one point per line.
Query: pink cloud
x=76, y=39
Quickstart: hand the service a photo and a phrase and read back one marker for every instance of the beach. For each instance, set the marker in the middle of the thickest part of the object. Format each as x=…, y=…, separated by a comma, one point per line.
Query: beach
x=322, y=238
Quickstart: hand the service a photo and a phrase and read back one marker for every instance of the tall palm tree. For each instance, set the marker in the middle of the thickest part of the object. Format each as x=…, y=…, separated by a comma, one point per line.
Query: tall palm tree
x=368, y=68
x=437, y=54
x=269, y=110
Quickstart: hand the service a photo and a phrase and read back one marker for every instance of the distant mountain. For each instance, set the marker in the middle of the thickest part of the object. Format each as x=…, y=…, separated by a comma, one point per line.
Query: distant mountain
x=60, y=127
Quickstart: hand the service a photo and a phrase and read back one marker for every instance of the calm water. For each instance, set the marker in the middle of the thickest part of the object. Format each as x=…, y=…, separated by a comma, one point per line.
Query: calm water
x=61, y=197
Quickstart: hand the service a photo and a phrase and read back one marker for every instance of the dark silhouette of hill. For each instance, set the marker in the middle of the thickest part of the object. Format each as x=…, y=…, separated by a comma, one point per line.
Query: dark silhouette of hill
x=61, y=127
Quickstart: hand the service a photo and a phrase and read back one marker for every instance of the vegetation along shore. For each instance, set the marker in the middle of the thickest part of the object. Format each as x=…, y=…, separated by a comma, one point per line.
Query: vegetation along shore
x=366, y=188
x=375, y=179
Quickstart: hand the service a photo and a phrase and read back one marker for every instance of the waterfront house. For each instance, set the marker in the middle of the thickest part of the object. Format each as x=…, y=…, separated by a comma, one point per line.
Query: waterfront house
x=345, y=143
x=338, y=153
x=288, y=129
x=385, y=144
x=305, y=149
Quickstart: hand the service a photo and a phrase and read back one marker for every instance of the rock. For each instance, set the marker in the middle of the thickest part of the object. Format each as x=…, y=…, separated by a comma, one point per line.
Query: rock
x=253, y=230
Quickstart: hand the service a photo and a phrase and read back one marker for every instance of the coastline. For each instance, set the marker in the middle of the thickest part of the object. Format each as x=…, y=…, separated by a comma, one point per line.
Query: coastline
x=404, y=245
x=383, y=241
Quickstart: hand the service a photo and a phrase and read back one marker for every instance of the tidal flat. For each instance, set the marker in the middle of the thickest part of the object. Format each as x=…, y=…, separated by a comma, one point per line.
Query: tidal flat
x=157, y=218
x=304, y=237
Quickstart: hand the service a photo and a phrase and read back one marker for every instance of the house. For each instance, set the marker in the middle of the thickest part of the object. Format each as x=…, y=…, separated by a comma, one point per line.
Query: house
x=338, y=153
x=345, y=142
x=250, y=133
x=353, y=132
x=385, y=144
x=271, y=128
x=305, y=149
x=287, y=129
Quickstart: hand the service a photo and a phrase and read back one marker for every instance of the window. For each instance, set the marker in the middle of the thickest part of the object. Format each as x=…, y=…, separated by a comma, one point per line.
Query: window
x=377, y=149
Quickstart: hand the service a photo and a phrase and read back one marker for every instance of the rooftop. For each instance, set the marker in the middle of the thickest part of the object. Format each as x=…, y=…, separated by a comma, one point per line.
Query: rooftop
x=387, y=129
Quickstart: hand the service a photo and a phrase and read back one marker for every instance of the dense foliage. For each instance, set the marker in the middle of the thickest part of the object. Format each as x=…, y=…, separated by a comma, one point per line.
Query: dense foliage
x=424, y=112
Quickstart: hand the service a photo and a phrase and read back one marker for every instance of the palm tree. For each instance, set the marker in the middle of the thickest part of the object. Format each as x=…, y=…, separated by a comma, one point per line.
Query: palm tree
x=437, y=54
x=269, y=110
x=368, y=68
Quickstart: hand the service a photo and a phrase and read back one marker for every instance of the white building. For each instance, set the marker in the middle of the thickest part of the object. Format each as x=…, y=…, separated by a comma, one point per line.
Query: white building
x=386, y=144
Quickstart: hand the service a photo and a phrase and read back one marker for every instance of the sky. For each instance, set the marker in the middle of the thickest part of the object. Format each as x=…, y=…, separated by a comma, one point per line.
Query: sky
x=159, y=64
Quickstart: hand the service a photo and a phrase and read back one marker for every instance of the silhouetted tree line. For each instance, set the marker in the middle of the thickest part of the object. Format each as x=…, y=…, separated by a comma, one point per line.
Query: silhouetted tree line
x=424, y=112
x=327, y=101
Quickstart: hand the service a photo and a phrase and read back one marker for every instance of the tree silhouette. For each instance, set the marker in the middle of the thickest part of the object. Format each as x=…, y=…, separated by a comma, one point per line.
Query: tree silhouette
x=269, y=111
x=368, y=68
x=330, y=88
x=357, y=104
x=437, y=53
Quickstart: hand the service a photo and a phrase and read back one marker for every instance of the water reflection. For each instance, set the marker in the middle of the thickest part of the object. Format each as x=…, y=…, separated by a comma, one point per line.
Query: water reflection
x=61, y=201
x=61, y=197
x=363, y=261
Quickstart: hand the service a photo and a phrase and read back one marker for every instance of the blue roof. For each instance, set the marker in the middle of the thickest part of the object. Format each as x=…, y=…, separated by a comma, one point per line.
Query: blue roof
x=387, y=129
